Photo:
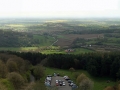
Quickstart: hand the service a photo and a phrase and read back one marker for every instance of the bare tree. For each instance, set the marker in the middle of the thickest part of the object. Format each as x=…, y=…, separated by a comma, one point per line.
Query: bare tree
x=72, y=70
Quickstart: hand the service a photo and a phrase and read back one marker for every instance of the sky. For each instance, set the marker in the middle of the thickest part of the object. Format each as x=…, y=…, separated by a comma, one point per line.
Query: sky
x=60, y=8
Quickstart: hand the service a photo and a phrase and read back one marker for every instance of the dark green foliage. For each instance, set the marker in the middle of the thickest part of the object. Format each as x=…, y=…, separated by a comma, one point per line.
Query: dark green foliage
x=16, y=79
x=115, y=67
x=38, y=72
x=97, y=64
x=10, y=38
x=7, y=84
x=3, y=70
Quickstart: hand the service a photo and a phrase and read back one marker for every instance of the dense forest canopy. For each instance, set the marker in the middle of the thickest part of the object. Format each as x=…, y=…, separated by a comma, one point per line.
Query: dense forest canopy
x=97, y=64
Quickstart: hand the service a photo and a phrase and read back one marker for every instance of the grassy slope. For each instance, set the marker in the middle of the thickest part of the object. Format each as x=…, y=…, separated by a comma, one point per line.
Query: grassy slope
x=99, y=83
x=44, y=40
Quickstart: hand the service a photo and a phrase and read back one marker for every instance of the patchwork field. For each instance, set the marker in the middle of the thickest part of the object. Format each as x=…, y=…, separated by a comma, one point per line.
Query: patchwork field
x=67, y=40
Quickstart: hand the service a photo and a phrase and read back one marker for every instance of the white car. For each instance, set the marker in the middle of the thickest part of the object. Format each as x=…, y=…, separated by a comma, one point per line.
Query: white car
x=56, y=80
x=63, y=83
x=65, y=77
x=71, y=84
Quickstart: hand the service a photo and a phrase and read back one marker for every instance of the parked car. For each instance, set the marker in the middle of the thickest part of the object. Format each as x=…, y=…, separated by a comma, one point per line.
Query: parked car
x=70, y=81
x=58, y=74
x=48, y=78
x=63, y=83
x=57, y=83
x=49, y=75
x=74, y=86
x=60, y=83
x=47, y=84
x=66, y=78
x=70, y=84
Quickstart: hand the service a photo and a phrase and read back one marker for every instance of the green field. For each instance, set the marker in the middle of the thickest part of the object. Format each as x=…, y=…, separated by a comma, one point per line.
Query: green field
x=18, y=48
x=99, y=83
x=44, y=40
x=82, y=50
x=45, y=50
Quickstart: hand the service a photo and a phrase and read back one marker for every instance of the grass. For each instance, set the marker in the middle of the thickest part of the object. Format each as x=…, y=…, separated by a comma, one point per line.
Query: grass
x=44, y=40
x=18, y=48
x=99, y=82
x=44, y=50
x=52, y=52
x=82, y=50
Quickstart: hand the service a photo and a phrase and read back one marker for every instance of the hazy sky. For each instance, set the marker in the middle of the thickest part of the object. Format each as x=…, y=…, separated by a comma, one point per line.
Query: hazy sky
x=59, y=8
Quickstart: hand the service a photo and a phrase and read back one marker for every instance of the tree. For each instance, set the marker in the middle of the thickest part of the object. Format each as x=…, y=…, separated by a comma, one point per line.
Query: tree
x=72, y=70
x=76, y=74
x=86, y=84
x=118, y=74
x=19, y=63
x=92, y=67
x=38, y=71
x=118, y=87
x=16, y=79
x=3, y=70
x=2, y=87
x=76, y=63
x=12, y=66
x=81, y=77
x=115, y=68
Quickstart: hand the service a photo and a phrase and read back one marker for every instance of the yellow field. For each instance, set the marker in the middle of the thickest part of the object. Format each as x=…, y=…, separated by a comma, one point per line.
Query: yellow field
x=54, y=21
x=15, y=25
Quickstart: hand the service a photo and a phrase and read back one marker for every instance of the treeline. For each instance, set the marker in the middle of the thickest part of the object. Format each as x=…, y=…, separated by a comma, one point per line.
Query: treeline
x=92, y=31
x=10, y=38
x=98, y=64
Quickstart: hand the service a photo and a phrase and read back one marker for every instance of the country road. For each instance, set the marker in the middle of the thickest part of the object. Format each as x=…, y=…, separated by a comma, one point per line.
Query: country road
x=66, y=87
x=54, y=43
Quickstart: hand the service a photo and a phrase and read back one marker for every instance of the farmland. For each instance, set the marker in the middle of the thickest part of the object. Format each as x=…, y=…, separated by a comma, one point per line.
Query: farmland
x=40, y=34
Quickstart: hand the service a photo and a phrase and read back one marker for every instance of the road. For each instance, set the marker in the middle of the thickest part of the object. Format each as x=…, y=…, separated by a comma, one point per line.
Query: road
x=66, y=87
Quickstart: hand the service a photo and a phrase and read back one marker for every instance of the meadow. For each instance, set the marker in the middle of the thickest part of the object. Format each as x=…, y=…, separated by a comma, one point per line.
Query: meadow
x=45, y=50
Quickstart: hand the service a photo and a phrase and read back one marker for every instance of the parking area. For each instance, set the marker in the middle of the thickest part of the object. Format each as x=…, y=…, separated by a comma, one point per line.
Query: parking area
x=60, y=87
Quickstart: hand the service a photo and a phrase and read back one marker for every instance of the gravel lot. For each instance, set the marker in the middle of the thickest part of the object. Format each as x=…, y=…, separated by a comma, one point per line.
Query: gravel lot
x=66, y=87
